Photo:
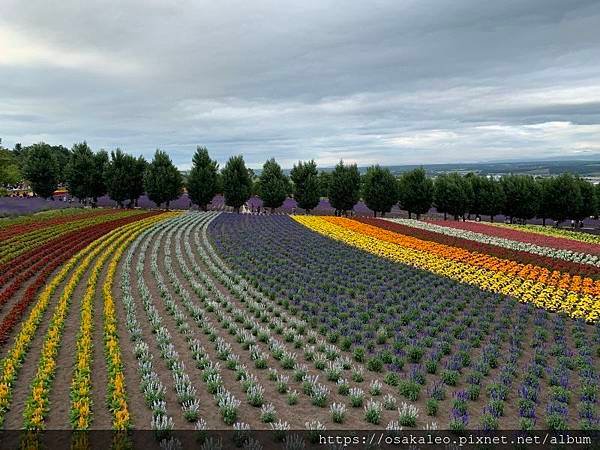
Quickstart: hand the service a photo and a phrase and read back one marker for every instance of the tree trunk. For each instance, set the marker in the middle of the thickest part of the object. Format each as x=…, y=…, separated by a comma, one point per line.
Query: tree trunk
x=382, y=214
x=492, y=219
x=409, y=215
x=543, y=221
x=167, y=204
x=445, y=216
x=374, y=213
x=418, y=216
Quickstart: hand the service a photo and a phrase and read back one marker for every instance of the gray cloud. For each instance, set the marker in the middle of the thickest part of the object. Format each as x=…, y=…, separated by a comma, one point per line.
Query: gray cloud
x=388, y=81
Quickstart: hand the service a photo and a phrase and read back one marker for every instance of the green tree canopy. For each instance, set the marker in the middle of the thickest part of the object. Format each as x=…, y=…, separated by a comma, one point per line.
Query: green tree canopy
x=344, y=187
x=117, y=175
x=136, y=180
x=597, y=198
x=62, y=156
x=98, y=185
x=324, y=180
x=522, y=196
x=237, y=184
x=80, y=171
x=162, y=180
x=203, y=178
x=306, y=180
x=588, y=205
x=452, y=194
x=9, y=168
x=477, y=185
x=545, y=200
x=415, y=192
x=379, y=190
x=490, y=198
x=40, y=169
x=565, y=197
x=273, y=185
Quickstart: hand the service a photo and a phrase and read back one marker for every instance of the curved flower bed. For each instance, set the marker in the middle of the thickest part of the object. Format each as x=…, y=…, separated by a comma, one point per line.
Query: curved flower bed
x=426, y=232
x=522, y=236
x=16, y=355
x=526, y=284
x=66, y=251
x=452, y=349
x=348, y=292
x=17, y=245
x=37, y=405
x=511, y=244
x=508, y=267
x=39, y=217
x=580, y=236
x=20, y=229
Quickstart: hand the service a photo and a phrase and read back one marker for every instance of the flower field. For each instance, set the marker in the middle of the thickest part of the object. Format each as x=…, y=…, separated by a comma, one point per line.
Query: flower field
x=114, y=319
x=471, y=338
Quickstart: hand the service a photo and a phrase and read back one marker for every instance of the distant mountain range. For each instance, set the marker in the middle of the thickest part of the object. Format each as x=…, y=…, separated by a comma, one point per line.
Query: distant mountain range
x=590, y=166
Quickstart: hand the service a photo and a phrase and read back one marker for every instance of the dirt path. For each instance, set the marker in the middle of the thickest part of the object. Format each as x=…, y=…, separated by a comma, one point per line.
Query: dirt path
x=102, y=417
x=247, y=413
x=140, y=413
x=149, y=337
x=59, y=394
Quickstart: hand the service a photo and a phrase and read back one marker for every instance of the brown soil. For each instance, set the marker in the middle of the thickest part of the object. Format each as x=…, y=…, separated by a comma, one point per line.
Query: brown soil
x=158, y=365
x=59, y=393
x=140, y=414
x=5, y=309
x=304, y=410
x=102, y=417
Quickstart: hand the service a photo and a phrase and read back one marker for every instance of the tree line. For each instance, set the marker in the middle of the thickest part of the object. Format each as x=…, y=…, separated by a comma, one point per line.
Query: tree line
x=89, y=175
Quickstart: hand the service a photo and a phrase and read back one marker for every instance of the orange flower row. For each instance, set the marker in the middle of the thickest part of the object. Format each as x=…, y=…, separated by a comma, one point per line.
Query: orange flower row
x=565, y=281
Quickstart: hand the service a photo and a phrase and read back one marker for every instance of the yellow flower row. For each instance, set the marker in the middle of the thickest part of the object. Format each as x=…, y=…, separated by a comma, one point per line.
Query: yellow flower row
x=81, y=402
x=14, y=358
x=542, y=295
x=36, y=406
x=117, y=395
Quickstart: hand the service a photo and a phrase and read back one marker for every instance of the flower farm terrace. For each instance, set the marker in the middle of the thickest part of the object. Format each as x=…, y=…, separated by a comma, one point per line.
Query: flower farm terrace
x=133, y=319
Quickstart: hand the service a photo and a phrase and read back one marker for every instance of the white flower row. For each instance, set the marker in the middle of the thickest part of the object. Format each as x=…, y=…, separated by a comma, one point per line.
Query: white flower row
x=318, y=393
x=565, y=255
x=225, y=400
x=323, y=359
x=150, y=384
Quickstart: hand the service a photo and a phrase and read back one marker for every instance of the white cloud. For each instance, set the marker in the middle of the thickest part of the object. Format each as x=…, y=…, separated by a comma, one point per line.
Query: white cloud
x=17, y=49
x=398, y=82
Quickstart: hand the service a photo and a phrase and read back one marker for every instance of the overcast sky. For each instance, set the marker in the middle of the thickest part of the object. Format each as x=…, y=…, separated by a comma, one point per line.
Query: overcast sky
x=394, y=82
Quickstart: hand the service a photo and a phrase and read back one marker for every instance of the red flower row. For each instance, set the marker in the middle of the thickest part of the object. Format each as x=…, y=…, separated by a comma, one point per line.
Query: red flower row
x=22, y=261
x=18, y=309
x=35, y=255
x=523, y=236
x=520, y=256
x=32, y=226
